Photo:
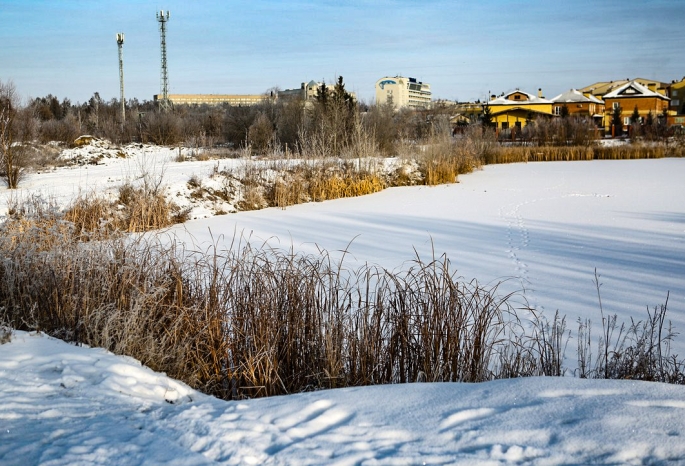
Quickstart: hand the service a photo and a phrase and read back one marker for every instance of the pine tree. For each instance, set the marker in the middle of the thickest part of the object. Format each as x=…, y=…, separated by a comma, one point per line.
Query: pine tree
x=564, y=111
x=322, y=96
x=486, y=117
x=616, y=121
x=340, y=96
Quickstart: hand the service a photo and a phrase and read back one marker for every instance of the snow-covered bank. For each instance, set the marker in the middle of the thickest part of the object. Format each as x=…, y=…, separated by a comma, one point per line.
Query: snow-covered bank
x=61, y=404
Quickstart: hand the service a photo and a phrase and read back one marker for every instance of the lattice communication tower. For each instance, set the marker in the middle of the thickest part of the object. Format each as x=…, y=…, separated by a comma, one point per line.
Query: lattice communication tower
x=163, y=18
x=120, y=43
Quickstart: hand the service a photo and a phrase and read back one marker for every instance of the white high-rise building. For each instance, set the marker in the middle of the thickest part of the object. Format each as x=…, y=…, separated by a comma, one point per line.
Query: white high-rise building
x=403, y=92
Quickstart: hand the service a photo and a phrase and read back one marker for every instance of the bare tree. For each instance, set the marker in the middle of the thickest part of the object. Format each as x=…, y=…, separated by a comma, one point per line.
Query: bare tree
x=10, y=151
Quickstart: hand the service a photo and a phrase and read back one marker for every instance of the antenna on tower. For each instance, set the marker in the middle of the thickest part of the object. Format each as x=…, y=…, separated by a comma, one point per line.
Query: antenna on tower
x=120, y=43
x=162, y=18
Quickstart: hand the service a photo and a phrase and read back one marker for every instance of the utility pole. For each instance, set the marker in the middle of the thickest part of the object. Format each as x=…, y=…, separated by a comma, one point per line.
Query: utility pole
x=120, y=43
x=164, y=103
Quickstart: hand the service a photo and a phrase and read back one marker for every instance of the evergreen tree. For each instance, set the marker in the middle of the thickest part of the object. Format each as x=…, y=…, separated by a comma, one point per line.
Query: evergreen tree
x=616, y=121
x=564, y=111
x=322, y=95
x=650, y=119
x=341, y=97
x=650, y=126
x=635, y=126
x=486, y=117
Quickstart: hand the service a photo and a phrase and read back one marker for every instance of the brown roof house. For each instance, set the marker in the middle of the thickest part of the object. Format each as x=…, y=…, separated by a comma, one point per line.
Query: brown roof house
x=631, y=96
x=579, y=104
x=602, y=88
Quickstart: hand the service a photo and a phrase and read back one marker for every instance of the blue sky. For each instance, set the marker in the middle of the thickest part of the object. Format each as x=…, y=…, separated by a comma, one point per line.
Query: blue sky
x=464, y=49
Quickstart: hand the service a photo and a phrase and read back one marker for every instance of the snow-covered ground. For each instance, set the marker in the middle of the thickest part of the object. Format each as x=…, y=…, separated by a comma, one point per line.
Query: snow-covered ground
x=64, y=405
x=543, y=227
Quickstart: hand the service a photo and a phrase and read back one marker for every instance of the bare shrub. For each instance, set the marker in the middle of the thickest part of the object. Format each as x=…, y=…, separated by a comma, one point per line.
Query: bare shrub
x=163, y=128
x=261, y=134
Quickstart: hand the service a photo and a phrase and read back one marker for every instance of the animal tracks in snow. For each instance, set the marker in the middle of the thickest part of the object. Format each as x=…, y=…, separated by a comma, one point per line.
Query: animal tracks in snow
x=518, y=236
x=518, y=239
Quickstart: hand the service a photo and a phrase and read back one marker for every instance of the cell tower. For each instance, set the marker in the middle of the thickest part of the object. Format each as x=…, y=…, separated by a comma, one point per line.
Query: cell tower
x=120, y=43
x=162, y=18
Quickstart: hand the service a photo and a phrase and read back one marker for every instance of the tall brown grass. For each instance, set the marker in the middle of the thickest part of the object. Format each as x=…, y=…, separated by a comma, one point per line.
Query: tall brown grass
x=251, y=322
x=515, y=154
x=255, y=321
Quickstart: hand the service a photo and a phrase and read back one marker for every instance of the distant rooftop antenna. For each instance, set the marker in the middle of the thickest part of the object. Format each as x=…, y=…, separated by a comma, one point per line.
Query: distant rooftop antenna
x=120, y=43
x=162, y=18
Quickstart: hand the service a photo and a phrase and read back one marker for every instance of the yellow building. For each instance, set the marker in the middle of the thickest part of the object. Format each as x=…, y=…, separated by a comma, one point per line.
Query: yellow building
x=602, y=88
x=676, y=91
x=235, y=100
x=516, y=109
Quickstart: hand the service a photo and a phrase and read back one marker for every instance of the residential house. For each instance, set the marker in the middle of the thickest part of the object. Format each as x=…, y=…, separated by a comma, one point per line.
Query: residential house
x=516, y=109
x=631, y=96
x=579, y=104
x=602, y=88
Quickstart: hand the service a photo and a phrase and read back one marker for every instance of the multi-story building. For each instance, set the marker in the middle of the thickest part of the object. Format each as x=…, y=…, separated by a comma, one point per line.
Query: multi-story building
x=516, y=109
x=235, y=100
x=676, y=91
x=308, y=91
x=403, y=92
x=631, y=96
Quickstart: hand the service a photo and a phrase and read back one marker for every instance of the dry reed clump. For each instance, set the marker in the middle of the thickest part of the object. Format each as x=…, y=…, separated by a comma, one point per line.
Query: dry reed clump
x=252, y=322
x=282, y=184
x=443, y=158
x=515, y=154
x=633, y=151
x=90, y=217
x=256, y=321
x=534, y=153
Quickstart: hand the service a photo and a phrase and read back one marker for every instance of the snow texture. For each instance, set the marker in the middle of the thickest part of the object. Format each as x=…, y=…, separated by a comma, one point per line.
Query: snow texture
x=67, y=405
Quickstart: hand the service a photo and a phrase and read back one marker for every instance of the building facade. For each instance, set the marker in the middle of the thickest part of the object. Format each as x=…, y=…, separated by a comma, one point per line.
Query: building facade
x=516, y=109
x=307, y=91
x=235, y=100
x=631, y=96
x=403, y=92
x=602, y=88
x=579, y=104
x=676, y=91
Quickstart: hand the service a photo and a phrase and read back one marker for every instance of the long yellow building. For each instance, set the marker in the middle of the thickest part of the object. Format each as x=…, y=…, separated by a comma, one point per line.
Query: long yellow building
x=236, y=100
x=516, y=109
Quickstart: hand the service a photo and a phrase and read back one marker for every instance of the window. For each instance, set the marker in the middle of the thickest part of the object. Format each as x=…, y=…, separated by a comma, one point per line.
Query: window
x=517, y=97
x=616, y=105
x=505, y=125
x=674, y=93
x=626, y=121
x=675, y=102
x=557, y=110
x=518, y=125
